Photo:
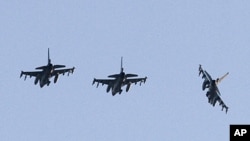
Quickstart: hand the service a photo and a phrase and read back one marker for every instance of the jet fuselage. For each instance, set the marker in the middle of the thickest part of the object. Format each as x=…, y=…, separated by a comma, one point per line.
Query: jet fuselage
x=46, y=75
x=212, y=93
x=118, y=84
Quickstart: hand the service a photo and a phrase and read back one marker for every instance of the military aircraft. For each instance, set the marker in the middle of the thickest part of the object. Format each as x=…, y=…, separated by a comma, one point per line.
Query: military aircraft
x=119, y=81
x=213, y=93
x=47, y=72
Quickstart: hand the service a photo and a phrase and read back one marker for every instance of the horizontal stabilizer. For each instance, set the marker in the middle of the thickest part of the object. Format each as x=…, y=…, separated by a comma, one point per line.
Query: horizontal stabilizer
x=114, y=76
x=59, y=66
x=41, y=68
x=131, y=75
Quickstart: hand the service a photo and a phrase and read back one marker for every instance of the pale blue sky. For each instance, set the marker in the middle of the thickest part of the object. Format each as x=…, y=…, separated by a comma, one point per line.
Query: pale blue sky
x=163, y=40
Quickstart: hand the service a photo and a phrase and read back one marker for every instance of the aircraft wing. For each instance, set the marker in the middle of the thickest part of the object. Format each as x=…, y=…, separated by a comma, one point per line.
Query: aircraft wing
x=223, y=105
x=103, y=81
x=135, y=80
x=205, y=74
x=63, y=71
x=220, y=101
x=30, y=74
x=207, y=78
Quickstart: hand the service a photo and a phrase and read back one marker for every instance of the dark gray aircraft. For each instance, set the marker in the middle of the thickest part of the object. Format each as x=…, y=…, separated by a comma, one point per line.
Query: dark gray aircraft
x=213, y=93
x=119, y=81
x=47, y=72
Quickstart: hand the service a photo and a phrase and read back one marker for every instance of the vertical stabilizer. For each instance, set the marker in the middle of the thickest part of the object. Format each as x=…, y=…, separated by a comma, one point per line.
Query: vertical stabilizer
x=49, y=61
x=121, y=65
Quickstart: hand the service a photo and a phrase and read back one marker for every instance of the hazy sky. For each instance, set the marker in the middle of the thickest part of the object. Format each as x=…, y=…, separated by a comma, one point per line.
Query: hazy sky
x=163, y=40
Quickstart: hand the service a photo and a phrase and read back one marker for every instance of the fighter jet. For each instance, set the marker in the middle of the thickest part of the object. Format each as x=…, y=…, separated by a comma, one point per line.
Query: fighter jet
x=213, y=93
x=47, y=72
x=119, y=81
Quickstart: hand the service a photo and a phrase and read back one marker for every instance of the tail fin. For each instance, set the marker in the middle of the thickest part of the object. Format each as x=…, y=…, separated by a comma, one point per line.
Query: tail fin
x=121, y=65
x=49, y=61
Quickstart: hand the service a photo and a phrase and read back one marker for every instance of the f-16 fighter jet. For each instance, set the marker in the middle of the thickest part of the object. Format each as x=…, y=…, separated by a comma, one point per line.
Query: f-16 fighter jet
x=119, y=81
x=213, y=93
x=47, y=72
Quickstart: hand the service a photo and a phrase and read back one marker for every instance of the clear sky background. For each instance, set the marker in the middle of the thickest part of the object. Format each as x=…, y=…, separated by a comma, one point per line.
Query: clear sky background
x=163, y=40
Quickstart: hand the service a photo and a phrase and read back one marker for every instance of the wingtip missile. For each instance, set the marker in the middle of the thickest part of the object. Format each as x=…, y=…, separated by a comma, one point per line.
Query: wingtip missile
x=224, y=106
x=93, y=81
x=200, y=69
x=21, y=74
x=142, y=81
x=226, y=110
x=71, y=71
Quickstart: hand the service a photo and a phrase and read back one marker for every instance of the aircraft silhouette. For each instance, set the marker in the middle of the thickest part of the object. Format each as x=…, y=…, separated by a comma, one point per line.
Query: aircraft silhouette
x=47, y=72
x=119, y=81
x=213, y=93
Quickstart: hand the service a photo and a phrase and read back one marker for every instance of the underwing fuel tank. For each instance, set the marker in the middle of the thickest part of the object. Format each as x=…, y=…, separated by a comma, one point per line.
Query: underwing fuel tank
x=108, y=88
x=56, y=77
x=128, y=86
x=36, y=80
